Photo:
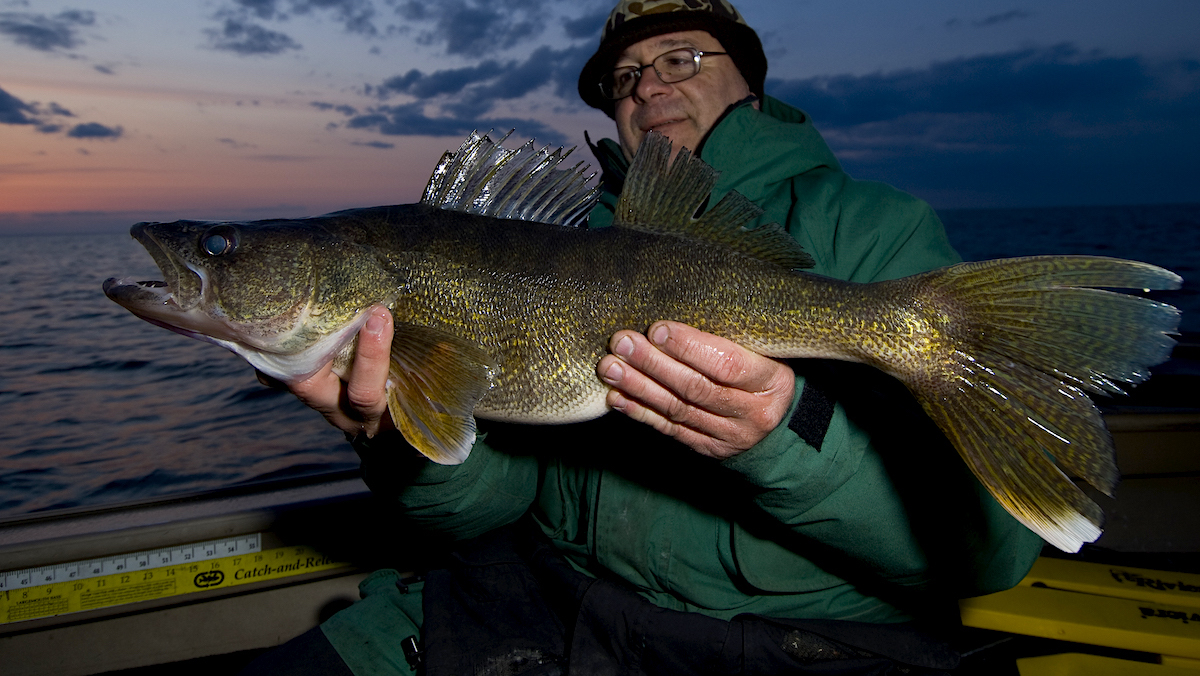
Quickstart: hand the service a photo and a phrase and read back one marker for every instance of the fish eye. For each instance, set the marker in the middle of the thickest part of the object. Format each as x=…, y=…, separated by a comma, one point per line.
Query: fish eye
x=219, y=241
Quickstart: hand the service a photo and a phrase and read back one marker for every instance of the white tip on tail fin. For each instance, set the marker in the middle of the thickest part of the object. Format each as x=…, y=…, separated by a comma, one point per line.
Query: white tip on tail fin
x=527, y=184
x=1070, y=533
x=1021, y=342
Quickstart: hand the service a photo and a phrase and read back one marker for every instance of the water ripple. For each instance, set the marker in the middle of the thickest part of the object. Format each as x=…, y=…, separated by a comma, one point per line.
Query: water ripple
x=98, y=406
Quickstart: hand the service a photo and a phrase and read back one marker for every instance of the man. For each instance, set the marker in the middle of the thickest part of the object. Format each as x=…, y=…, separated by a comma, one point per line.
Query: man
x=792, y=522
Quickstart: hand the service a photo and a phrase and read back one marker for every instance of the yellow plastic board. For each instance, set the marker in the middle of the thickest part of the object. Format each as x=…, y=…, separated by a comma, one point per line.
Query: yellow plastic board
x=1076, y=664
x=1181, y=662
x=1085, y=618
x=1175, y=589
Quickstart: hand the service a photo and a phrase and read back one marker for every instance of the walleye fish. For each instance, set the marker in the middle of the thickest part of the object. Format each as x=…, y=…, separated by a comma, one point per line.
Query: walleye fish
x=502, y=311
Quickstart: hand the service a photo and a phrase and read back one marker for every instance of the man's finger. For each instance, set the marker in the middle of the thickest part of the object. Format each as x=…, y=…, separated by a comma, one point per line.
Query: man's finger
x=718, y=413
x=674, y=391
x=366, y=385
x=725, y=379
x=359, y=405
x=715, y=444
x=720, y=360
x=320, y=391
x=367, y=380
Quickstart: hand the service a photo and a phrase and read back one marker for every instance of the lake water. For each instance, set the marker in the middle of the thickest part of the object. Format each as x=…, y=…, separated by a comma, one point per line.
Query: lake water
x=97, y=406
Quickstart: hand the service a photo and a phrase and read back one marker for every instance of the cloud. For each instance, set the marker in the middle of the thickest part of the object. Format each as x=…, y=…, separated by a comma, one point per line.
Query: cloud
x=48, y=119
x=356, y=16
x=235, y=144
x=415, y=83
x=248, y=39
x=588, y=26
x=1011, y=15
x=239, y=33
x=413, y=120
x=475, y=27
x=283, y=158
x=992, y=20
x=1057, y=78
x=341, y=108
x=1062, y=125
x=483, y=85
x=43, y=32
x=17, y=112
x=455, y=101
x=375, y=144
x=95, y=130
x=263, y=9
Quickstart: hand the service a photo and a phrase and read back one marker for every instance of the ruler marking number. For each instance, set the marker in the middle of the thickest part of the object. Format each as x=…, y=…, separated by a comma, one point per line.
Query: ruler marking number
x=98, y=583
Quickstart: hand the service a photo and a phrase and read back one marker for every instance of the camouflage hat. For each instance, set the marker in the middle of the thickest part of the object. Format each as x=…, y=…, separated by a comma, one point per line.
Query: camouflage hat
x=633, y=21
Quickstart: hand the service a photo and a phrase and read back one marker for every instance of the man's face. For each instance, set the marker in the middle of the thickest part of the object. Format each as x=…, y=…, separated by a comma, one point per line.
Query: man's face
x=683, y=111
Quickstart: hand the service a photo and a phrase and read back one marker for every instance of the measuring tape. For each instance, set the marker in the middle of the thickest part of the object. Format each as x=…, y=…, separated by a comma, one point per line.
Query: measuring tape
x=153, y=574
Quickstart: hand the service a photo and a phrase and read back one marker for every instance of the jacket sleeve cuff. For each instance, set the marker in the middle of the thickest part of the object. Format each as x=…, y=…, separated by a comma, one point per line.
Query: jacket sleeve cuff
x=793, y=475
x=489, y=489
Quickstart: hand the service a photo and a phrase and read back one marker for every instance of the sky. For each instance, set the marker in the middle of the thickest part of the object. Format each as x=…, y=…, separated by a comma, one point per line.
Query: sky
x=125, y=110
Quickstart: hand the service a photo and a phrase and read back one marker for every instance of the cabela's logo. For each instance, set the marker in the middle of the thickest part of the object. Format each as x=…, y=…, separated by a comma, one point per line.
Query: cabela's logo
x=209, y=578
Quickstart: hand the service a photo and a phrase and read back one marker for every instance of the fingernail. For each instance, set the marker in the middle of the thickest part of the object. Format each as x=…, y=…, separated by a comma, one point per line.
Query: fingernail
x=614, y=373
x=624, y=346
x=375, y=323
x=617, y=401
x=659, y=336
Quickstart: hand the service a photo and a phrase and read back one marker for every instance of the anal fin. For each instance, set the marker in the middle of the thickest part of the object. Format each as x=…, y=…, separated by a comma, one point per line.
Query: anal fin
x=435, y=381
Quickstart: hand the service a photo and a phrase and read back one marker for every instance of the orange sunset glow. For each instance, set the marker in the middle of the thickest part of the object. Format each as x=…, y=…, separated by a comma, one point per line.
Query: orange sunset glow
x=238, y=109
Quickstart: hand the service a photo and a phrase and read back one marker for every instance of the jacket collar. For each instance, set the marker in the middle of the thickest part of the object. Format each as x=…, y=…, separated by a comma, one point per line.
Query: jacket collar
x=614, y=166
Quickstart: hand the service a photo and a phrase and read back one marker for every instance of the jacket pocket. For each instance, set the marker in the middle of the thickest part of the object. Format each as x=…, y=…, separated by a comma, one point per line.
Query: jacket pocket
x=769, y=566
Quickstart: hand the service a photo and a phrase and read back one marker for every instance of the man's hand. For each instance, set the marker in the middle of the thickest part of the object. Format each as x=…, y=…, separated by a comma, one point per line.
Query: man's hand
x=360, y=405
x=709, y=393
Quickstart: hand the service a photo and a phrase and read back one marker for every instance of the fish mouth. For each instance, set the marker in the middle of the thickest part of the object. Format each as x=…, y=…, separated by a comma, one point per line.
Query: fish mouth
x=175, y=302
x=150, y=300
x=186, y=284
x=154, y=301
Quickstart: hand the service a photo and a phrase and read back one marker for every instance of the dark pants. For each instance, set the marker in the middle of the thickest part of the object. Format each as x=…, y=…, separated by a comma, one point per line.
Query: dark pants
x=508, y=604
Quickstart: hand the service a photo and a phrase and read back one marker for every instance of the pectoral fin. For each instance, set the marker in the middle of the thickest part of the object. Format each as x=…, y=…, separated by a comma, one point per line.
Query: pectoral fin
x=434, y=382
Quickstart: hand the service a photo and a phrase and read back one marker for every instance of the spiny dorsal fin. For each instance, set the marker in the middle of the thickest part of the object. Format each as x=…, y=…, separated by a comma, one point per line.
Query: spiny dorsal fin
x=525, y=184
x=662, y=197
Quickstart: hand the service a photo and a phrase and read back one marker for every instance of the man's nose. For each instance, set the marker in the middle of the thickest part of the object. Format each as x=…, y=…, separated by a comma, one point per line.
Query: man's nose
x=649, y=83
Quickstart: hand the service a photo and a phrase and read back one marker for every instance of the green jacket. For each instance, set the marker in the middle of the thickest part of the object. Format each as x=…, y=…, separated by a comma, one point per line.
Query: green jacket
x=846, y=531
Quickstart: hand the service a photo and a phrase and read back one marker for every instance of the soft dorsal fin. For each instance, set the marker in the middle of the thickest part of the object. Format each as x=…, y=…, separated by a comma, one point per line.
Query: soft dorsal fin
x=662, y=197
x=525, y=184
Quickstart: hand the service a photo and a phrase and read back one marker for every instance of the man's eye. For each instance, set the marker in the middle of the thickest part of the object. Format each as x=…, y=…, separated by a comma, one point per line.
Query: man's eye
x=623, y=76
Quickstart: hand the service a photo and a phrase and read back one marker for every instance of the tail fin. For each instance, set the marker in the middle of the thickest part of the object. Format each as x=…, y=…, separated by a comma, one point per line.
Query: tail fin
x=1035, y=335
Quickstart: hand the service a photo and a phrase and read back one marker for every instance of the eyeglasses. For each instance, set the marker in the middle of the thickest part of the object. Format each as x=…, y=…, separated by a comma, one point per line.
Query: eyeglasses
x=676, y=65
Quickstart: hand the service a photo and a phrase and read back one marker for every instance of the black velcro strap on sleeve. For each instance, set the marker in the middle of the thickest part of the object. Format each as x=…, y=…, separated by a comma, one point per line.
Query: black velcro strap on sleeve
x=811, y=419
